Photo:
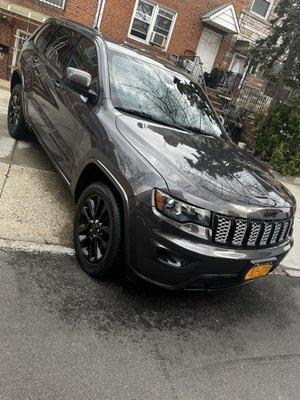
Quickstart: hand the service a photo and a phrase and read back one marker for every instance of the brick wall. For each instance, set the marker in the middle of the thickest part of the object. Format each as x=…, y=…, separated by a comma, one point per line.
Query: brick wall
x=77, y=10
x=252, y=28
x=116, y=21
x=187, y=30
x=8, y=30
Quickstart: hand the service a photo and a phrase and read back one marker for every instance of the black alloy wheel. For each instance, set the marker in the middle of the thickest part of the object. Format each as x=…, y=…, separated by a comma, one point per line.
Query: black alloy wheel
x=14, y=111
x=94, y=228
x=16, y=123
x=97, y=230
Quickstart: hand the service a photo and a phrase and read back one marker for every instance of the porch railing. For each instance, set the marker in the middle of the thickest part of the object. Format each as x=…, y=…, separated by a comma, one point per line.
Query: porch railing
x=237, y=99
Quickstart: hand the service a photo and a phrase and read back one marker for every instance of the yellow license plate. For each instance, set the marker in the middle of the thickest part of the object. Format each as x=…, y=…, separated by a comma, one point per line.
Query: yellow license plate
x=258, y=270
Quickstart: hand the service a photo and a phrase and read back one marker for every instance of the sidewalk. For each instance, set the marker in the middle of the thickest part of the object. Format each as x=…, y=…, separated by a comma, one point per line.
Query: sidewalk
x=35, y=205
x=291, y=264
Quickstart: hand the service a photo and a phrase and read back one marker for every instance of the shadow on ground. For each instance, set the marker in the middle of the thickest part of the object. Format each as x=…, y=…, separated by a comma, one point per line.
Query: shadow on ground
x=59, y=286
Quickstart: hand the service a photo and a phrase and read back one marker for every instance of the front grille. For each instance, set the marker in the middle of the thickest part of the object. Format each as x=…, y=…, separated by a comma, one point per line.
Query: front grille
x=247, y=233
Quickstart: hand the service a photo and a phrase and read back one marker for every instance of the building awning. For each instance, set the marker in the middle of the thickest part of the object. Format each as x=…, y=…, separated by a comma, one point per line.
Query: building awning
x=223, y=18
x=28, y=13
x=242, y=47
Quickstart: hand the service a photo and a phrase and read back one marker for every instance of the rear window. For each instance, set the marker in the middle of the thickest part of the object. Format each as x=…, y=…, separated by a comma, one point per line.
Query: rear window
x=60, y=47
x=43, y=37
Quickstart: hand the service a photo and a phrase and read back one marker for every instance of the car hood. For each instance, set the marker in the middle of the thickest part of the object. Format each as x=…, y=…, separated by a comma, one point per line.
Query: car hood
x=204, y=170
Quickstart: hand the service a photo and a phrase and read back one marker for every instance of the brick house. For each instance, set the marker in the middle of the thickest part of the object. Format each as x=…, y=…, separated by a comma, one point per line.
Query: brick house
x=174, y=28
x=255, y=93
x=170, y=28
x=254, y=24
x=19, y=18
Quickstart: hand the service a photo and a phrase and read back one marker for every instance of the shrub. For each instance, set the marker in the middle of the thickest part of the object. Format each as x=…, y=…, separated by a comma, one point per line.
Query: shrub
x=277, y=137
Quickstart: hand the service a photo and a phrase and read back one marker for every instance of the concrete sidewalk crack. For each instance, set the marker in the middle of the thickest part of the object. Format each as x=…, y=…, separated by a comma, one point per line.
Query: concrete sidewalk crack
x=5, y=179
x=9, y=168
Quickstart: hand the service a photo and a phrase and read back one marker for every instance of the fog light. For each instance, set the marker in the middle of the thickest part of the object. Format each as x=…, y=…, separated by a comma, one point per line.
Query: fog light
x=172, y=260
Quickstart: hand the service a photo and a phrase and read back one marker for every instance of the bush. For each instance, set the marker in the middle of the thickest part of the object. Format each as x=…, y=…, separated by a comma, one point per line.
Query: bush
x=277, y=137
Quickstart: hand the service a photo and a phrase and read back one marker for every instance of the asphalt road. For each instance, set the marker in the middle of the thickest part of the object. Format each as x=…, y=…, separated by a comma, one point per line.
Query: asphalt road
x=64, y=335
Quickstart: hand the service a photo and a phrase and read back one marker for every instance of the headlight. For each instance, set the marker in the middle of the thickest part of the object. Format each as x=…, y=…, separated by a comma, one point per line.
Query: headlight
x=180, y=211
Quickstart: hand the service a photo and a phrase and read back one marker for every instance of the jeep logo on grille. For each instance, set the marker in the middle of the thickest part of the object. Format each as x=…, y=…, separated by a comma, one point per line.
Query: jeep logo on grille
x=271, y=213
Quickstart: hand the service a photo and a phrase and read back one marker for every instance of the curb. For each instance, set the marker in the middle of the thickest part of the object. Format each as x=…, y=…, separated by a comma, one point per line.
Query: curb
x=36, y=247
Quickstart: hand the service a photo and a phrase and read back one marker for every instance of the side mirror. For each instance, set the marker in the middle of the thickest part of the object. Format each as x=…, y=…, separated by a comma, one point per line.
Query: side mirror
x=79, y=78
x=80, y=81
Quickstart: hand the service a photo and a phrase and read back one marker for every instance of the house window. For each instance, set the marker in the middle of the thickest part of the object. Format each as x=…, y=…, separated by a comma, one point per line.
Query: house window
x=238, y=64
x=262, y=7
x=55, y=3
x=152, y=23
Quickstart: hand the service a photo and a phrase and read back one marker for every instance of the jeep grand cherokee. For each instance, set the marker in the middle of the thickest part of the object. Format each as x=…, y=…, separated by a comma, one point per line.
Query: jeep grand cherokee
x=159, y=186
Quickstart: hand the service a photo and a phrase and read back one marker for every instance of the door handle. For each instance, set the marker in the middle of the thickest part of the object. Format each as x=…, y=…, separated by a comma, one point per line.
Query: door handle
x=57, y=83
x=35, y=60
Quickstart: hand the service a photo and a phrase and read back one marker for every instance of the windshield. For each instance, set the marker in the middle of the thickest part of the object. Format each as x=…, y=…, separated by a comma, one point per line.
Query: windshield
x=161, y=94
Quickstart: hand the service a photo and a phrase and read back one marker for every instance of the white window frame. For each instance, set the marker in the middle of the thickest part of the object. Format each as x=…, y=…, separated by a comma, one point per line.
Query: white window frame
x=50, y=3
x=235, y=54
x=15, y=48
x=157, y=7
x=271, y=2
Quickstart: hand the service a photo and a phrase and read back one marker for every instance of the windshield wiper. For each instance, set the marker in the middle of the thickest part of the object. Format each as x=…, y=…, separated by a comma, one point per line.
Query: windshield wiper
x=198, y=130
x=149, y=117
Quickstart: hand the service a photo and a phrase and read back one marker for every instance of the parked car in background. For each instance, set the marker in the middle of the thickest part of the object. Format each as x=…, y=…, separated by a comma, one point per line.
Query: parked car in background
x=158, y=184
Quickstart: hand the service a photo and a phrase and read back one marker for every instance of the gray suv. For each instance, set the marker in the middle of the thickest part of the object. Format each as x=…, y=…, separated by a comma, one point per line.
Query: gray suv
x=158, y=184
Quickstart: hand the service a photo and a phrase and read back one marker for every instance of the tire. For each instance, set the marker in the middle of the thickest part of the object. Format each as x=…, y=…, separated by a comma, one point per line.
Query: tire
x=17, y=127
x=98, y=231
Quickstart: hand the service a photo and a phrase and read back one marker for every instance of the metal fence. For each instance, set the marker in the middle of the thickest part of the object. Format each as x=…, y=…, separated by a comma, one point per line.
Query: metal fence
x=237, y=99
x=252, y=100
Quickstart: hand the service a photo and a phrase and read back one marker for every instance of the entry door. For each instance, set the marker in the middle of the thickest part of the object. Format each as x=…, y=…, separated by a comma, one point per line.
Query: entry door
x=208, y=48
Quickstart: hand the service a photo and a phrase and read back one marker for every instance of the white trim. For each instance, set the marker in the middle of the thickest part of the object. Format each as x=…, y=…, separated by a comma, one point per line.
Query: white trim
x=265, y=18
x=234, y=56
x=210, y=32
x=49, y=2
x=99, y=14
x=15, y=48
x=154, y=15
x=213, y=16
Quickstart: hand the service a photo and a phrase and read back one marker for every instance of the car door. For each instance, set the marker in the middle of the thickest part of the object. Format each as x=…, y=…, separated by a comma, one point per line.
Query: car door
x=58, y=121
x=77, y=108
x=37, y=77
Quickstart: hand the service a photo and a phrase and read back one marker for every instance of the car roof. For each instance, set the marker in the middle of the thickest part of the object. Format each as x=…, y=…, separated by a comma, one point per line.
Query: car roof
x=124, y=48
x=74, y=25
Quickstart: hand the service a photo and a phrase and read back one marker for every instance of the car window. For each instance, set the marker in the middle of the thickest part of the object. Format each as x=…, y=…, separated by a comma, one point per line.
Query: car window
x=60, y=47
x=85, y=58
x=42, y=38
x=161, y=93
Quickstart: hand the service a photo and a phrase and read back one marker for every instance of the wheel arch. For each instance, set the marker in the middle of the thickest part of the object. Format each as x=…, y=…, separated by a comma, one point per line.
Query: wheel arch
x=16, y=78
x=94, y=171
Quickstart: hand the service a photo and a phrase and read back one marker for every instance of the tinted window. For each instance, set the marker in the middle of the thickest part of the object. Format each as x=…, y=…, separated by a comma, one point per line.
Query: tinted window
x=42, y=38
x=60, y=47
x=160, y=93
x=85, y=58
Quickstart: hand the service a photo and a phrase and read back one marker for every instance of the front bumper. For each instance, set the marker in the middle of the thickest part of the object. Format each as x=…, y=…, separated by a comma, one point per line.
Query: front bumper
x=208, y=266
